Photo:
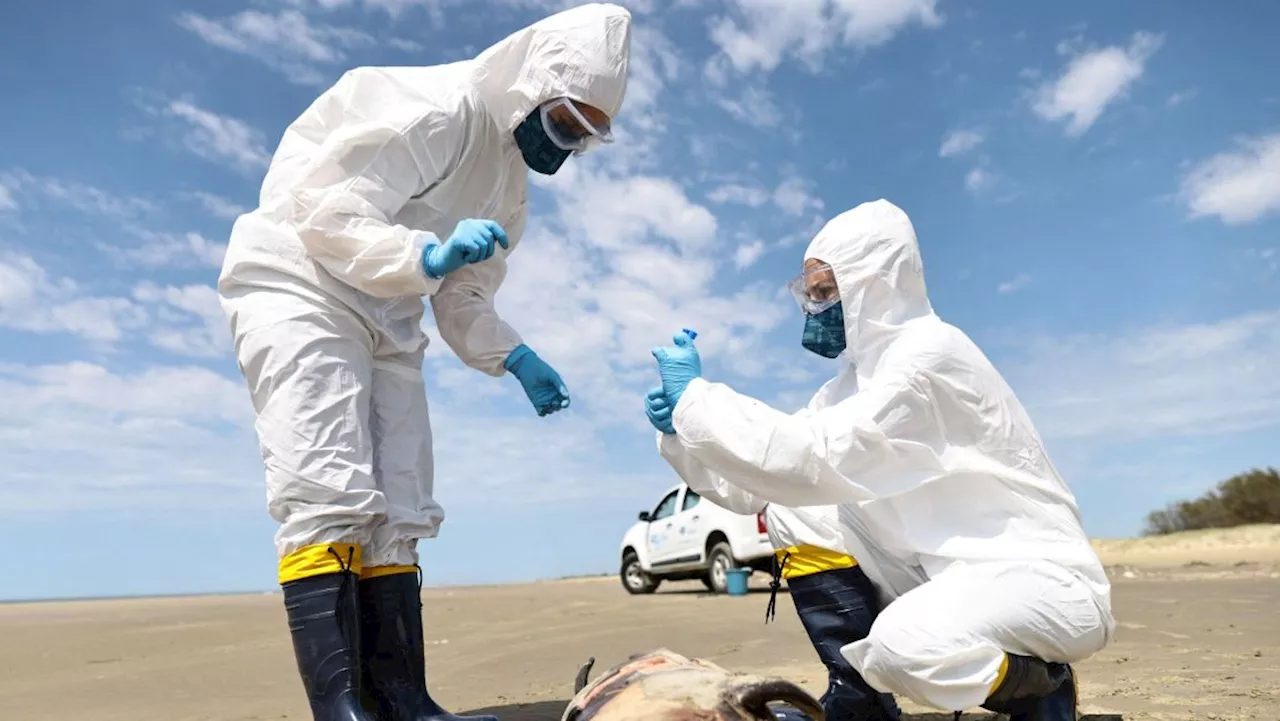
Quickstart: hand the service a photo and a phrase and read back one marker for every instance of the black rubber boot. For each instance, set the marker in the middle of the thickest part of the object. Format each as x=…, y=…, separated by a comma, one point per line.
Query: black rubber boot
x=394, y=658
x=1035, y=690
x=837, y=608
x=325, y=624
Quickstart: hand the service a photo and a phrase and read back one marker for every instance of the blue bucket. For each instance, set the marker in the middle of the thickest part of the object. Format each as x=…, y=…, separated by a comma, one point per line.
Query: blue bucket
x=736, y=583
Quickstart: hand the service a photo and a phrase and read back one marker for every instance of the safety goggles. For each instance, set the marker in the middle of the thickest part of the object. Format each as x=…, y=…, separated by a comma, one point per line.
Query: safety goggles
x=815, y=289
x=580, y=135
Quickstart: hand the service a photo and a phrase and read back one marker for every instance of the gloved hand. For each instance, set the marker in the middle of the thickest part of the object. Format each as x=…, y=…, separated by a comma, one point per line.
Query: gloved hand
x=472, y=241
x=541, y=383
x=678, y=365
x=658, y=408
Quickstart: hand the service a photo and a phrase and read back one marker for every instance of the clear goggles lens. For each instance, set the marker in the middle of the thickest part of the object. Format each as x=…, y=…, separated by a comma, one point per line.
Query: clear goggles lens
x=579, y=135
x=815, y=289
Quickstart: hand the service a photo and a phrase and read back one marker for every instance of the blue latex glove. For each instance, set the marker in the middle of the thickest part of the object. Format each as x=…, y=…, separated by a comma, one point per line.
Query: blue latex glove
x=541, y=383
x=678, y=365
x=472, y=241
x=658, y=408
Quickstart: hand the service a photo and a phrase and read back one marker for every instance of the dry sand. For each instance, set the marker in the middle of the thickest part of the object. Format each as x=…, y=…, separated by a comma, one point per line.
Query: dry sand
x=1199, y=638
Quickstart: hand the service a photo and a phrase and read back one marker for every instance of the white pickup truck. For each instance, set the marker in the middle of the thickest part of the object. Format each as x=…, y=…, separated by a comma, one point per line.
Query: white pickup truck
x=685, y=537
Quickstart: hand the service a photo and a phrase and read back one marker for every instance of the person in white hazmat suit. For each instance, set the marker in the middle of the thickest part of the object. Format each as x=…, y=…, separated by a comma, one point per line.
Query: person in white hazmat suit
x=945, y=491
x=832, y=595
x=397, y=183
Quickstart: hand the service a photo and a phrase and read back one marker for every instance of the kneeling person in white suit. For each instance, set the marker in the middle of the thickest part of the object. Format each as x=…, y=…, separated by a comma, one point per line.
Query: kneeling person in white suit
x=953, y=508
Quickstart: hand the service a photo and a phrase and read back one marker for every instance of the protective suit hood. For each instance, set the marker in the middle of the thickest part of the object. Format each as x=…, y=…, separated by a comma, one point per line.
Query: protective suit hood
x=872, y=250
x=581, y=54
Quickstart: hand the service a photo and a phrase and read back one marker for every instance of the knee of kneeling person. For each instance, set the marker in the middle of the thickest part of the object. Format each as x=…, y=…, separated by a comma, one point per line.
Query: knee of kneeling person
x=889, y=658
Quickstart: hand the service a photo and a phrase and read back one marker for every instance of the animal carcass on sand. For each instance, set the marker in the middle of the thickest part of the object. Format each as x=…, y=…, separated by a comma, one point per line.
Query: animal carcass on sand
x=664, y=686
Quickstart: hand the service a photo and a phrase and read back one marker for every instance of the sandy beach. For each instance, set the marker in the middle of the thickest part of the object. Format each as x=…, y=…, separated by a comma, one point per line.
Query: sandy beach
x=1199, y=638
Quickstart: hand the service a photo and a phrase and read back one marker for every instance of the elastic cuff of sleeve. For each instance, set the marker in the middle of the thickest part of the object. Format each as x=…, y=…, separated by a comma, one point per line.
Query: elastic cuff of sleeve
x=517, y=355
x=679, y=410
x=426, y=261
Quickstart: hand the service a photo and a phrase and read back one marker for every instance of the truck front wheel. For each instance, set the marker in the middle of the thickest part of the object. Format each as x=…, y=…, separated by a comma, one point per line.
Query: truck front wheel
x=634, y=577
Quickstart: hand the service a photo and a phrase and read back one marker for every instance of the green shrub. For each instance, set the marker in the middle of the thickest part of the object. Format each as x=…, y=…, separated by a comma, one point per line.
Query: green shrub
x=1252, y=497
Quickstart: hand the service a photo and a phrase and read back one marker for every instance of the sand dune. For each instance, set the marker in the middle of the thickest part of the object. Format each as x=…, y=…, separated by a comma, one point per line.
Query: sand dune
x=1243, y=544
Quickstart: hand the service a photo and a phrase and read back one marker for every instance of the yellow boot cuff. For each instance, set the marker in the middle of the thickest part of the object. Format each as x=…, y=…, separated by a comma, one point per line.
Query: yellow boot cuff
x=805, y=560
x=376, y=571
x=1000, y=675
x=319, y=560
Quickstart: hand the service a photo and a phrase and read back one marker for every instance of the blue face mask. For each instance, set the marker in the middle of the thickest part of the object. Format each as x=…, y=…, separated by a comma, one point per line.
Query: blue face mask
x=824, y=332
x=540, y=153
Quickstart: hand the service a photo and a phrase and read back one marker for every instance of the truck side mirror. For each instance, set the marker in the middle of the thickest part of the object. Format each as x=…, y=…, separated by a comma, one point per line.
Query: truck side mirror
x=644, y=516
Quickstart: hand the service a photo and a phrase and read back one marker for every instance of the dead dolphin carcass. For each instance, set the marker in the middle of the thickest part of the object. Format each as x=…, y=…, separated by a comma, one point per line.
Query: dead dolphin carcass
x=661, y=685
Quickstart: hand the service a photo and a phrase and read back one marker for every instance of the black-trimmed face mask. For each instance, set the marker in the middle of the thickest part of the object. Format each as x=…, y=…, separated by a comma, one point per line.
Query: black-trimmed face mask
x=540, y=152
x=824, y=332
x=556, y=130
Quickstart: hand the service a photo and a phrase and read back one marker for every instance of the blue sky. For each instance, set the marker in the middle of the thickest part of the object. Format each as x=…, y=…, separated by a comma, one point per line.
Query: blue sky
x=1096, y=188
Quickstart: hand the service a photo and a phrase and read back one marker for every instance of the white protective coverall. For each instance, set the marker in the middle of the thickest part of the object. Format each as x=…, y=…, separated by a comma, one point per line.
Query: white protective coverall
x=323, y=283
x=946, y=493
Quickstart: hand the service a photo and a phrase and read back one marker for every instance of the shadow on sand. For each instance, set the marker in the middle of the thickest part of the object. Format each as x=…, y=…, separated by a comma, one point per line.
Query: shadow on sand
x=699, y=591
x=552, y=710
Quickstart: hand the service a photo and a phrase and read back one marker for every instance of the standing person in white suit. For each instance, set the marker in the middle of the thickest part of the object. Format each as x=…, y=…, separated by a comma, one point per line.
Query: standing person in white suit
x=951, y=504
x=397, y=183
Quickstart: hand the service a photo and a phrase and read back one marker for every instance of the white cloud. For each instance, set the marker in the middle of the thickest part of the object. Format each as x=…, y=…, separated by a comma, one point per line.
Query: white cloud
x=760, y=34
x=31, y=300
x=1194, y=379
x=1263, y=263
x=159, y=249
x=1238, y=186
x=326, y=5
x=959, y=142
x=7, y=201
x=396, y=8
x=408, y=46
x=286, y=41
x=186, y=320
x=1181, y=97
x=655, y=62
x=218, y=206
x=618, y=213
x=739, y=194
x=978, y=180
x=1020, y=281
x=746, y=255
x=88, y=199
x=793, y=197
x=83, y=436
x=220, y=138
x=1093, y=80
x=73, y=194
x=133, y=216
x=754, y=105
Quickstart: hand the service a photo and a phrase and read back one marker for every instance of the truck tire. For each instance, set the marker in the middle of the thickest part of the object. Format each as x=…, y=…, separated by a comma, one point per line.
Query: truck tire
x=719, y=561
x=634, y=578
